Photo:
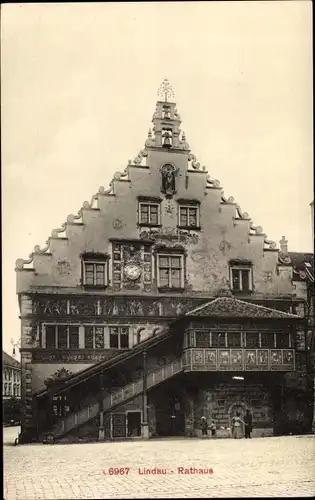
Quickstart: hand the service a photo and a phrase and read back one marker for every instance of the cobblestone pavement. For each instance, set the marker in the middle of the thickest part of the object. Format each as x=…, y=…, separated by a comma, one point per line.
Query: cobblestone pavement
x=278, y=466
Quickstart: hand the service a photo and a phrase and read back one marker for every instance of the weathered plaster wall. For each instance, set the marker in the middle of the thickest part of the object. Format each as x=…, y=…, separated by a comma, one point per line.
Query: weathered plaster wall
x=222, y=236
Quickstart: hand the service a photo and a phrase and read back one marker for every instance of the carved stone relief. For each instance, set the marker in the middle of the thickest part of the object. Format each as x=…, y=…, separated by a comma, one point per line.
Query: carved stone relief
x=63, y=268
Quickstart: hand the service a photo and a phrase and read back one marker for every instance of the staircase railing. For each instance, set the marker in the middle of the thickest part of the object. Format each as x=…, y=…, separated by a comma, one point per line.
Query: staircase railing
x=119, y=397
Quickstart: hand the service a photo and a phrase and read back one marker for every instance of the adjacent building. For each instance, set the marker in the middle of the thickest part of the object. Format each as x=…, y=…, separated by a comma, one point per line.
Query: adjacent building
x=159, y=302
x=11, y=377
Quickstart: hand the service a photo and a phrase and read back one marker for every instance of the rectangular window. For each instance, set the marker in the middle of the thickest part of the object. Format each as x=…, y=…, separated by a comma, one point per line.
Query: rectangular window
x=51, y=337
x=267, y=340
x=94, y=337
x=252, y=340
x=149, y=214
x=119, y=337
x=202, y=339
x=282, y=340
x=188, y=216
x=170, y=271
x=234, y=339
x=95, y=274
x=62, y=337
x=74, y=337
x=218, y=339
x=241, y=278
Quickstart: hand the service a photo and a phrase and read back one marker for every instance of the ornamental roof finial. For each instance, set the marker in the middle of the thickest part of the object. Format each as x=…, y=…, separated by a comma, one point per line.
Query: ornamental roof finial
x=166, y=91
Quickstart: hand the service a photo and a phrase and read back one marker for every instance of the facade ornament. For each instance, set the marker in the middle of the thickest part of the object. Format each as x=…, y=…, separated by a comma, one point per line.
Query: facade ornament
x=38, y=250
x=194, y=163
x=58, y=376
x=169, y=173
x=55, y=232
x=142, y=154
x=256, y=229
x=183, y=144
x=225, y=246
x=272, y=244
x=165, y=91
x=242, y=215
x=20, y=263
x=214, y=183
x=63, y=267
x=284, y=259
x=118, y=224
x=150, y=140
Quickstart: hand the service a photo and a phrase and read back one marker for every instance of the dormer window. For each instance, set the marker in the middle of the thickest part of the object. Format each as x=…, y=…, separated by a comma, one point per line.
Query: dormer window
x=149, y=213
x=241, y=276
x=95, y=270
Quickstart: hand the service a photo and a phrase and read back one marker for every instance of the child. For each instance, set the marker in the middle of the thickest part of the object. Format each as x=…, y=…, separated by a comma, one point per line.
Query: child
x=213, y=428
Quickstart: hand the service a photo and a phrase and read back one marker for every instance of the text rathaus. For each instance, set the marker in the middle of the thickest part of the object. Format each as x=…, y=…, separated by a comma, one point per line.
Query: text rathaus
x=158, y=303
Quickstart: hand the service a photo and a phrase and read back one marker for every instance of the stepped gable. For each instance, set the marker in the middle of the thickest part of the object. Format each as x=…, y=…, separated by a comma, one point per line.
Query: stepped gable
x=223, y=307
x=157, y=138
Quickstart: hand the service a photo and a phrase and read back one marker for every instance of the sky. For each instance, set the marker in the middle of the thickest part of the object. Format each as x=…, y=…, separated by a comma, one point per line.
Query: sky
x=79, y=87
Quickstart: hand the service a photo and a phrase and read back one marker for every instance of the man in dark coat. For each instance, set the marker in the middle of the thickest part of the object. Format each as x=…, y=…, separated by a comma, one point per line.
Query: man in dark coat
x=248, y=421
x=204, y=426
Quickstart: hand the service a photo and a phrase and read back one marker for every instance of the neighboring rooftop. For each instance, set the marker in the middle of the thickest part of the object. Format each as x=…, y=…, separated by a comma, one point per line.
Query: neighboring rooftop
x=224, y=307
x=9, y=360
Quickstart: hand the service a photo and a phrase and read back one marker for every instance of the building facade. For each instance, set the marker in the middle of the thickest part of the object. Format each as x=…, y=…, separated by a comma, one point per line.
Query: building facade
x=157, y=303
x=11, y=377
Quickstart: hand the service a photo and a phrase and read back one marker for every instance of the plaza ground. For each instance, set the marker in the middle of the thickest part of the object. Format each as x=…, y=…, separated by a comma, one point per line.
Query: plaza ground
x=277, y=466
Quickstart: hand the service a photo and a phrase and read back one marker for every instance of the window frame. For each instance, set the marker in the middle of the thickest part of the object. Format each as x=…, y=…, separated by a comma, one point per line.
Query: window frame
x=94, y=327
x=240, y=268
x=187, y=207
x=170, y=255
x=95, y=262
x=56, y=326
x=119, y=328
x=149, y=204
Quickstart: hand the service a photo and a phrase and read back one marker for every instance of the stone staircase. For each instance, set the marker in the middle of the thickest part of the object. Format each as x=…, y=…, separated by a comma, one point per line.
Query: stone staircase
x=119, y=397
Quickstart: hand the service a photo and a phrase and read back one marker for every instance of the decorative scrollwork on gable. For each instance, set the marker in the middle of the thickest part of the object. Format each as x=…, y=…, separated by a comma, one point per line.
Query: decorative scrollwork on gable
x=138, y=159
x=58, y=376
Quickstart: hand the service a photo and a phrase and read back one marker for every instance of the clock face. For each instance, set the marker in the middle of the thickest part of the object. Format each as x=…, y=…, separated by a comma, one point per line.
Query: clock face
x=132, y=271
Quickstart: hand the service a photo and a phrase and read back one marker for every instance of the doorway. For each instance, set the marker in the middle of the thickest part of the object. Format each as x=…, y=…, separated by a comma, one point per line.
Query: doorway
x=133, y=423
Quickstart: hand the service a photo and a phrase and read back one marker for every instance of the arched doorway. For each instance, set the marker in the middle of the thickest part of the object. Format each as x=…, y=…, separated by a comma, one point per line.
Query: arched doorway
x=235, y=408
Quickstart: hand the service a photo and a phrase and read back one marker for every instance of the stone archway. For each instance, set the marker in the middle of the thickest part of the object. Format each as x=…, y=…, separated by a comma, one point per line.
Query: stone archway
x=235, y=407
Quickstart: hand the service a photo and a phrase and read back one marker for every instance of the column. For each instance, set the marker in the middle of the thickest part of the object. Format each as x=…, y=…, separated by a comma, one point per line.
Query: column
x=189, y=416
x=101, y=431
x=145, y=425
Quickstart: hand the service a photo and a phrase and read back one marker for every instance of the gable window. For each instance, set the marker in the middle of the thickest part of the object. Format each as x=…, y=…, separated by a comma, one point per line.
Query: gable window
x=95, y=271
x=149, y=214
x=119, y=337
x=170, y=271
x=188, y=216
x=94, y=337
x=62, y=337
x=241, y=277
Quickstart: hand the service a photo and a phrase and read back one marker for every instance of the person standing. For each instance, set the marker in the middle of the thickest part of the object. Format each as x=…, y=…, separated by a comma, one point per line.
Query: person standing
x=213, y=428
x=248, y=421
x=204, y=426
x=236, y=426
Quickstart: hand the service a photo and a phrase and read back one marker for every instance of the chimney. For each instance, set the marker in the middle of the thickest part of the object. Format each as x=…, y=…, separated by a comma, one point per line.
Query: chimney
x=283, y=245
